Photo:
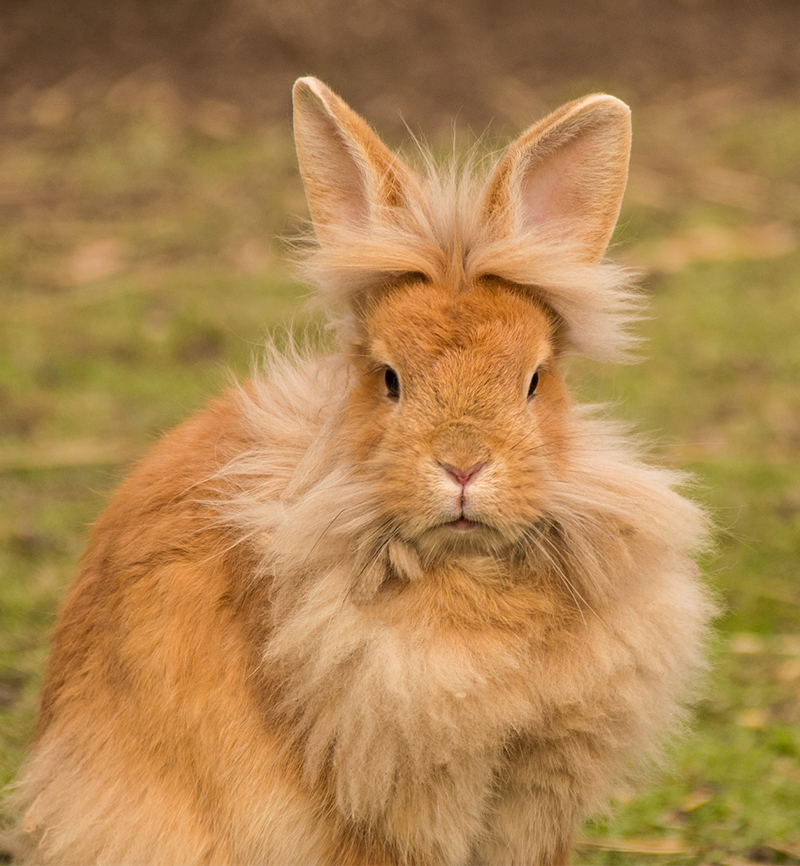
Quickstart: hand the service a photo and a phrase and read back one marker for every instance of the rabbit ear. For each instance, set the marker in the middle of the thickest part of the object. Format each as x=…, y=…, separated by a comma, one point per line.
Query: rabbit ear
x=348, y=172
x=566, y=176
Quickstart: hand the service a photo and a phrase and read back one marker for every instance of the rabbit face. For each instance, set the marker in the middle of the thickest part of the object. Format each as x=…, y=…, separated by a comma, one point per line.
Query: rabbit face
x=451, y=440
x=458, y=412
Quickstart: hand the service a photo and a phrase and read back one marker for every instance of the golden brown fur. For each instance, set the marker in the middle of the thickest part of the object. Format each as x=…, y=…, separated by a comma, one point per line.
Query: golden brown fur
x=298, y=637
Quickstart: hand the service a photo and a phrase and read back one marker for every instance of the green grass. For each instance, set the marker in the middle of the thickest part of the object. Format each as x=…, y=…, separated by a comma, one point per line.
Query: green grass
x=138, y=270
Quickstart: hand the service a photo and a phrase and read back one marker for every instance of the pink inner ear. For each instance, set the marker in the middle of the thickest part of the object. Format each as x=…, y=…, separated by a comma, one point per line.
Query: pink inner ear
x=341, y=174
x=557, y=188
x=332, y=175
x=352, y=195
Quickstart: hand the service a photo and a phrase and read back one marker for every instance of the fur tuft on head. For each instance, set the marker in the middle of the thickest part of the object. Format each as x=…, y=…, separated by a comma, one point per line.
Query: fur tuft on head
x=540, y=218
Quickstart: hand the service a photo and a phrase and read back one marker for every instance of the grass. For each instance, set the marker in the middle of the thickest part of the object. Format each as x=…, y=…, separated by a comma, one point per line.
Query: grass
x=137, y=271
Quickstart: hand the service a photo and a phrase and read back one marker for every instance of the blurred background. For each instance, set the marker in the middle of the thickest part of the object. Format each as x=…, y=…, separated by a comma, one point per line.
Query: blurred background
x=147, y=176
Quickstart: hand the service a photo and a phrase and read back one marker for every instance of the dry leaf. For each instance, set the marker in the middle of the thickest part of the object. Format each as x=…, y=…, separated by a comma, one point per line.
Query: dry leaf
x=96, y=260
x=789, y=644
x=699, y=797
x=216, y=119
x=52, y=108
x=788, y=849
x=85, y=452
x=669, y=846
x=755, y=718
x=715, y=243
x=789, y=671
x=251, y=257
x=653, y=189
x=726, y=186
x=744, y=643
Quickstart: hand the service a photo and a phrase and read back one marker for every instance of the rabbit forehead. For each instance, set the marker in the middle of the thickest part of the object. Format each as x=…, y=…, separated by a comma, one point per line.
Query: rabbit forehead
x=419, y=326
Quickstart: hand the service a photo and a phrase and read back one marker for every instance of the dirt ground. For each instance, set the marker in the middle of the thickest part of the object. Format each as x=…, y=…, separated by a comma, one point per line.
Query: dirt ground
x=423, y=59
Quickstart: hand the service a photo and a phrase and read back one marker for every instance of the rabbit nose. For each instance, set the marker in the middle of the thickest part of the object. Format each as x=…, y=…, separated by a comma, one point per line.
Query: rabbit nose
x=463, y=476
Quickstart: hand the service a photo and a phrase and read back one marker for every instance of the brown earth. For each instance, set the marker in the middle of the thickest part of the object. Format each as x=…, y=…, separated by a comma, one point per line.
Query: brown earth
x=420, y=59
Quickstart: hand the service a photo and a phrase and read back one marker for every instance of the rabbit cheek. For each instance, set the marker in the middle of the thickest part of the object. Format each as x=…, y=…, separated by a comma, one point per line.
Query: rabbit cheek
x=395, y=466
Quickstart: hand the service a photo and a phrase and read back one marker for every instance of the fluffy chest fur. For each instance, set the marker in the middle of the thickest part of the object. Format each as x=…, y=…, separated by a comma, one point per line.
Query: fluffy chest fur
x=404, y=713
x=422, y=713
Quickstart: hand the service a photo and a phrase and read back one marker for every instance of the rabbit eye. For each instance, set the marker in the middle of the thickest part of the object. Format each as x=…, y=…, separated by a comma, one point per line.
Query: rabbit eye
x=534, y=383
x=392, y=384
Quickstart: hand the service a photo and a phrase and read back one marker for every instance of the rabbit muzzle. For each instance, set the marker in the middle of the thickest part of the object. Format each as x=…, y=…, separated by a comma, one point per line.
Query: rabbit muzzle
x=462, y=453
x=462, y=456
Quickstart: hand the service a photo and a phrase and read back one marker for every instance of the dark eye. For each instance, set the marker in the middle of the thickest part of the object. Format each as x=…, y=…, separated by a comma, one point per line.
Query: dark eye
x=533, y=385
x=392, y=384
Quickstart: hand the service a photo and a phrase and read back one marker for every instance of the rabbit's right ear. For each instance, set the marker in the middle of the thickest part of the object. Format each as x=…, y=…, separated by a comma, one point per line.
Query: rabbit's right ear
x=349, y=174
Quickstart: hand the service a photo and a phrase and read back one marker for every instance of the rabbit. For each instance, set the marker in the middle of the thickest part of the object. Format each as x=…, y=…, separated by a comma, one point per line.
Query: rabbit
x=405, y=602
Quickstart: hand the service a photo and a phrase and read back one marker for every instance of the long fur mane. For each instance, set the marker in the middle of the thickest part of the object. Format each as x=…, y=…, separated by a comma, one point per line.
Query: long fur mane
x=441, y=233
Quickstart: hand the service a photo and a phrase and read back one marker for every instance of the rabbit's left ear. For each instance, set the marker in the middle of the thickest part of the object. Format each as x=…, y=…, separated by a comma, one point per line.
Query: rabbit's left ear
x=565, y=176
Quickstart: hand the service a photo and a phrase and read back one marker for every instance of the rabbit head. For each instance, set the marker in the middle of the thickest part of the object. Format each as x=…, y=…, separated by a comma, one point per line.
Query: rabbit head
x=461, y=296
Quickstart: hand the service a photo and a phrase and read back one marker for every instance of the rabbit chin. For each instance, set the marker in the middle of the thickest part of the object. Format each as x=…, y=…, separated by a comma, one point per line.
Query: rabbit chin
x=465, y=536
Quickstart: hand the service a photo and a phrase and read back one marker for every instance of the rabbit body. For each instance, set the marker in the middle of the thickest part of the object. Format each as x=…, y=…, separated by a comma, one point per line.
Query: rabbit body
x=405, y=603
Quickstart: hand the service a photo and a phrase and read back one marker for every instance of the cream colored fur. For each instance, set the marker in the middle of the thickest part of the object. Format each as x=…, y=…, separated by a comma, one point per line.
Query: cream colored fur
x=282, y=647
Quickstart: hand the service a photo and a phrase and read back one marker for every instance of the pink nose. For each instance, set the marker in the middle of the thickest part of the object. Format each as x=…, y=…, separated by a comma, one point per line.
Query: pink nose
x=463, y=476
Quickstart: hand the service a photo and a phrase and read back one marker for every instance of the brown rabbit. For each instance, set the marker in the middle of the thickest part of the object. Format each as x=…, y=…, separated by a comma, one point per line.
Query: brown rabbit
x=406, y=603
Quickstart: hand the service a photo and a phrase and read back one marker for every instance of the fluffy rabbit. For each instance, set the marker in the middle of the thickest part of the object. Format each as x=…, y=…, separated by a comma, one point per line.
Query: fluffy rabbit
x=405, y=603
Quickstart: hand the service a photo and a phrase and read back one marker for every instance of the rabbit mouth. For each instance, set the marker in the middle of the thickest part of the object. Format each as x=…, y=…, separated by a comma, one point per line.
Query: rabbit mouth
x=464, y=524
x=462, y=535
